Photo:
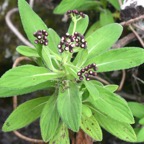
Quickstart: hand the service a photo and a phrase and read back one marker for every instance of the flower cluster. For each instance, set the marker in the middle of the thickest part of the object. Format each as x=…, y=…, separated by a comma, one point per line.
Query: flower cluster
x=87, y=72
x=75, y=12
x=68, y=42
x=41, y=36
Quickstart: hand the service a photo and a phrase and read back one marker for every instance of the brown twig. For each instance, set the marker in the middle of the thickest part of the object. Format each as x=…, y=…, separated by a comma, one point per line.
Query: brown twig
x=100, y=79
x=122, y=80
x=27, y=138
x=14, y=29
x=137, y=35
x=140, y=28
x=126, y=23
x=18, y=134
x=128, y=96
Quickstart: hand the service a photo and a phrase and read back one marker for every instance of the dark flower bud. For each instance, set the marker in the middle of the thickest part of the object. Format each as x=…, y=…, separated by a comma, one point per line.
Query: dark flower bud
x=39, y=37
x=68, y=12
x=76, y=33
x=45, y=37
x=71, y=51
x=82, y=45
x=46, y=34
x=89, y=66
x=59, y=46
x=36, y=41
x=76, y=12
x=66, y=48
x=67, y=34
x=87, y=78
x=94, y=68
x=72, y=45
x=82, y=70
x=81, y=78
x=86, y=74
x=77, y=45
x=86, y=68
x=35, y=34
x=39, y=32
x=93, y=65
x=82, y=40
x=82, y=14
x=77, y=40
x=45, y=43
x=43, y=31
x=79, y=73
x=90, y=72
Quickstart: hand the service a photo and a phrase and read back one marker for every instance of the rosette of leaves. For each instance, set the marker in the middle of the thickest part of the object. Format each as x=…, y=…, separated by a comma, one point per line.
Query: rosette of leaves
x=86, y=105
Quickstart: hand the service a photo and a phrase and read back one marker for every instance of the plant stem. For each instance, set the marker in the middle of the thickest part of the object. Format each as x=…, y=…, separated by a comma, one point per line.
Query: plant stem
x=74, y=28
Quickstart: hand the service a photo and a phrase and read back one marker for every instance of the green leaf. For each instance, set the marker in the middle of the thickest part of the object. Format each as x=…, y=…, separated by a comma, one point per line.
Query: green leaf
x=95, y=82
x=89, y=5
x=102, y=39
x=81, y=58
x=140, y=135
x=94, y=93
x=111, y=88
x=137, y=109
x=86, y=111
x=71, y=70
x=91, y=127
x=66, y=5
x=93, y=28
x=47, y=57
x=53, y=40
x=121, y=130
x=25, y=114
x=8, y=91
x=27, y=51
x=70, y=106
x=115, y=4
x=141, y=121
x=81, y=26
x=61, y=136
x=106, y=17
x=30, y=20
x=118, y=59
x=49, y=119
x=112, y=105
x=26, y=76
